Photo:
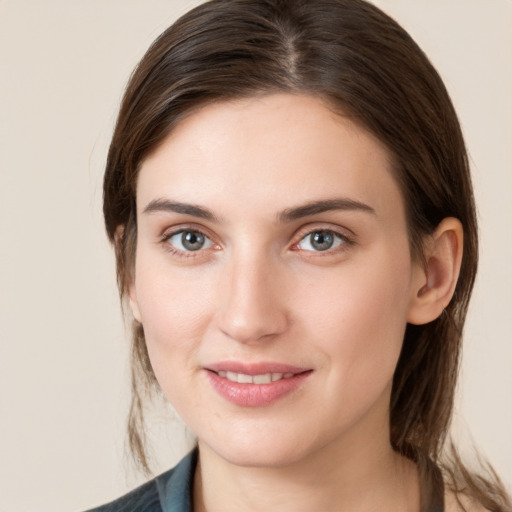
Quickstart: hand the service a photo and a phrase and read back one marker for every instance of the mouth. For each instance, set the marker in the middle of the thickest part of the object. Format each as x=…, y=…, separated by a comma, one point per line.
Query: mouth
x=263, y=378
x=255, y=385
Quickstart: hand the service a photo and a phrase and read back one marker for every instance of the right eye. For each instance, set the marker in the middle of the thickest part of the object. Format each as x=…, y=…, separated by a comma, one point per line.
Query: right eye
x=189, y=241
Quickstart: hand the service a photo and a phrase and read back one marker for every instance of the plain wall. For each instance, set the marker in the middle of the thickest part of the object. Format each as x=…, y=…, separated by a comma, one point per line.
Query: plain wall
x=63, y=351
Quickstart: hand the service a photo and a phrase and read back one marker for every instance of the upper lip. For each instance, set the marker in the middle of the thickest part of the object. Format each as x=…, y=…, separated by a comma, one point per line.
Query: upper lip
x=254, y=368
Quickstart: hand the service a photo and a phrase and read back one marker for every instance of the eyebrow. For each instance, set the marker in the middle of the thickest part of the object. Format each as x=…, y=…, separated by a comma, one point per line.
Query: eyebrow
x=287, y=215
x=315, y=207
x=165, y=205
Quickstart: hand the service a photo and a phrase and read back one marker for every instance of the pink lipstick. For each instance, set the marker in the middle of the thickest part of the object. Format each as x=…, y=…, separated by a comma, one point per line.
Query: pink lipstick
x=254, y=385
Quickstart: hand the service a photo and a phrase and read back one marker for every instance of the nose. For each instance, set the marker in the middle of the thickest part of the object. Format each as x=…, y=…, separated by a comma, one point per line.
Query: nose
x=253, y=301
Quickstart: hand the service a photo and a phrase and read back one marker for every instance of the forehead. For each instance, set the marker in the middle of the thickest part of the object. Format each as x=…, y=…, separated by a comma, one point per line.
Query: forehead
x=256, y=150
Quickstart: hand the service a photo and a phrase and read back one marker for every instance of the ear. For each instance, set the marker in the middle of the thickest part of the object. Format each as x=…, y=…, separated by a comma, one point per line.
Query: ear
x=434, y=283
x=129, y=286
x=134, y=304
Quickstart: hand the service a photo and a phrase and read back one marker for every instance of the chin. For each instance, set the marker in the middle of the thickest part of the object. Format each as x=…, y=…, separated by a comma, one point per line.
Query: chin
x=258, y=458
x=266, y=450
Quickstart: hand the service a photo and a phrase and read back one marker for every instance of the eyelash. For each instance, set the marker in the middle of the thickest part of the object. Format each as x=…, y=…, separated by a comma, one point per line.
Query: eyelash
x=165, y=240
x=344, y=242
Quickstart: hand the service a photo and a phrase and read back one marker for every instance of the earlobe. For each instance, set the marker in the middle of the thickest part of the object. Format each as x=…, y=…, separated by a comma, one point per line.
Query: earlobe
x=434, y=284
x=129, y=284
x=132, y=297
x=134, y=305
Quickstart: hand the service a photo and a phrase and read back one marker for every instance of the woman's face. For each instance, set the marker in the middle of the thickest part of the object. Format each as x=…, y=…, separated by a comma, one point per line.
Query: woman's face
x=273, y=278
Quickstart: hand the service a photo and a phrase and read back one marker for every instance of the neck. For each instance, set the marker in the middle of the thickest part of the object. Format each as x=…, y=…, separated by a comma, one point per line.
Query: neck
x=340, y=477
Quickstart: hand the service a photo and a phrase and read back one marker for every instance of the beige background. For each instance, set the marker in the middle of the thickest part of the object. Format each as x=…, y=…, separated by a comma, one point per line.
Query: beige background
x=63, y=374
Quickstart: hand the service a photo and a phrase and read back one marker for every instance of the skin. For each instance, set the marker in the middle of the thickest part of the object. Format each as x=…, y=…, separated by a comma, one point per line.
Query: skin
x=259, y=291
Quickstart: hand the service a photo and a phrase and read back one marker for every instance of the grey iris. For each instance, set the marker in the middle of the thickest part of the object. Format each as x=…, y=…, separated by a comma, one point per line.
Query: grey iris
x=322, y=240
x=192, y=241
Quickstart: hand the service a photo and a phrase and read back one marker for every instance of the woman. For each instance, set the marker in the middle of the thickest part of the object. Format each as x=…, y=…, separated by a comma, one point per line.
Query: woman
x=288, y=194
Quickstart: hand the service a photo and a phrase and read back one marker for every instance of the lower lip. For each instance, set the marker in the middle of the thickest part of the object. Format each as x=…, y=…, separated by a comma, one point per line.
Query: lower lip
x=255, y=395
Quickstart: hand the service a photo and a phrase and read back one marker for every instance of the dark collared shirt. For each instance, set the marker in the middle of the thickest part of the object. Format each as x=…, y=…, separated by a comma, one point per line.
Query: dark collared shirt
x=172, y=491
x=169, y=492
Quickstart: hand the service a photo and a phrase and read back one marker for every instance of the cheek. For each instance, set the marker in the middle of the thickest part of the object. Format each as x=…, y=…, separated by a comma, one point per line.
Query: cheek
x=359, y=319
x=175, y=309
x=171, y=299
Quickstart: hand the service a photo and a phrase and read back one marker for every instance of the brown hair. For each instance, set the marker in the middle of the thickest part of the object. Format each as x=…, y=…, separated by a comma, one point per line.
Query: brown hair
x=361, y=62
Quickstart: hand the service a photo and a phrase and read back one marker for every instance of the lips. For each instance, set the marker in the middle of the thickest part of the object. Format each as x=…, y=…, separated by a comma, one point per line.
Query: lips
x=264, y=378
x=255, y=385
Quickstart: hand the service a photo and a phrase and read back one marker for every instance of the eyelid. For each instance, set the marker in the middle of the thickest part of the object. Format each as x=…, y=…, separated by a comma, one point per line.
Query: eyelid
x=347, y=235
x=207, y=240
x=168, y=233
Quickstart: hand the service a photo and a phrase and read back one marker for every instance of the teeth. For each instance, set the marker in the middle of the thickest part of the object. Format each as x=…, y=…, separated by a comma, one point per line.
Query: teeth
x=262, y=379
x=232, y=376
x=265, y=378
x=244, y=379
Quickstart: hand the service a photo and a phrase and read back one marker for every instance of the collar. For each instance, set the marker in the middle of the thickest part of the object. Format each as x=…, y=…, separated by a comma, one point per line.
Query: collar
x=175, y=486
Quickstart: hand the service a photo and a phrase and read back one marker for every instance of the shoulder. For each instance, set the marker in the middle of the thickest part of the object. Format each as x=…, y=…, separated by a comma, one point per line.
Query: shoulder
x=170, y=490
x=143, y=499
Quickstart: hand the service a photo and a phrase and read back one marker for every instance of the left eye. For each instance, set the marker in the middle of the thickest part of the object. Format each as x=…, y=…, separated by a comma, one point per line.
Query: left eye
x=189, y=241
x=321, y=240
